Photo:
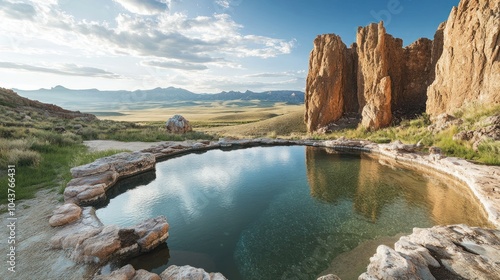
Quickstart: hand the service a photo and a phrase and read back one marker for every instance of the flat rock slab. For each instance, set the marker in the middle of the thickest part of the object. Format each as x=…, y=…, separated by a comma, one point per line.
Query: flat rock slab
x=451, y=252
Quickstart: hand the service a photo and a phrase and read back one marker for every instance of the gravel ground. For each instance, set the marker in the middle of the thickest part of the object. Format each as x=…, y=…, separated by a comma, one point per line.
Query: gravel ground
x=34, y=258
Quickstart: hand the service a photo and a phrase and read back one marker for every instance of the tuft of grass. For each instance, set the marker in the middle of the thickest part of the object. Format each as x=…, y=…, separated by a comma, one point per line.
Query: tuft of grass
x=489, y=152
x=23, y=157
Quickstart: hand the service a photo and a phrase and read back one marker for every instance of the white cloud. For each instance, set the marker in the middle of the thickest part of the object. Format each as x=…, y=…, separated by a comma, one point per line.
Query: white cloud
x=172, y=64
x=223, y=3
x=170, y=44
x=17, y=10
x=144, y=7
x=64, y=69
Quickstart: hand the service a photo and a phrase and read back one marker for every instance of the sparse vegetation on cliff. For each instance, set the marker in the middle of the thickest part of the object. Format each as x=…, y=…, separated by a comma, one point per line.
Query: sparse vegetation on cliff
x=417, y=130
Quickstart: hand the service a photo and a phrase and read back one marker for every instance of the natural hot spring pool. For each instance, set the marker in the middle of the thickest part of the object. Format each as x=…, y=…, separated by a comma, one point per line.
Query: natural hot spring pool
x=281, y=212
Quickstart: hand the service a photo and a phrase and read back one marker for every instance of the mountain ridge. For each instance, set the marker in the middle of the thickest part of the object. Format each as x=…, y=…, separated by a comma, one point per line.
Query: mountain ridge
x=175, y=94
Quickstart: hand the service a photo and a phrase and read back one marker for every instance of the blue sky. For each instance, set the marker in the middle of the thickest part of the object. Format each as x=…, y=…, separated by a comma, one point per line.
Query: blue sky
x=203, y=46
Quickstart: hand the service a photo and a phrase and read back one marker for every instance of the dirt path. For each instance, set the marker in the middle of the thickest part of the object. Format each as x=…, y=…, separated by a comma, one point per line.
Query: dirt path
x=102, y=145
x=34, y=258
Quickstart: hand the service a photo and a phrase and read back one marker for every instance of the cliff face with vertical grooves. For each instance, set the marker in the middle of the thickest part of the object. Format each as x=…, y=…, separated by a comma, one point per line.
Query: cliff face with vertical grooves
x=379, y=54
x=375, y=77
x=460, y=65
x=330, y=83
x=469, y=68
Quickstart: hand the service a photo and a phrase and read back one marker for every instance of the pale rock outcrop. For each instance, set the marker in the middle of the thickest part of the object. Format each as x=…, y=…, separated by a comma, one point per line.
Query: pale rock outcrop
x=91, y=242
x=443, y=122
x=174, y=272
x=178, y=124
x=329, y=277
x=90, y=181
x=128, y=273
x=489, y=131
x=469, y=68
x=441, y=252
x=65, y=214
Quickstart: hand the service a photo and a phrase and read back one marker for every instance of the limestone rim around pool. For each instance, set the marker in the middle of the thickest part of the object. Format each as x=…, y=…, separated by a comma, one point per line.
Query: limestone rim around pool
x=480, y=179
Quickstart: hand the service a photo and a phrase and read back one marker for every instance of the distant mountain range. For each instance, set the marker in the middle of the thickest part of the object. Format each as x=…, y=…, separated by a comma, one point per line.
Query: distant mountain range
x=94, y=99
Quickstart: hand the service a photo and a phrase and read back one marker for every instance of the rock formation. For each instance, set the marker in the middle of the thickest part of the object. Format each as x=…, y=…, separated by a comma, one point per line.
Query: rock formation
x=461, y=65
x=375, y=77
x=378, y=54
x=330, y=84
x=469, y=67
x=178, y=124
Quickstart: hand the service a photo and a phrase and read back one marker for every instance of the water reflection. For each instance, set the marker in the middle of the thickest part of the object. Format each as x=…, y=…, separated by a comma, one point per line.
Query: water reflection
x=280, y=212
x=372, y=186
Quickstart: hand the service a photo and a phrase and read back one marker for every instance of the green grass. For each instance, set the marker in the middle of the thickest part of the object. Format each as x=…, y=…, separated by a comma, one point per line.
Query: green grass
x=414, y=131
x=52, y=172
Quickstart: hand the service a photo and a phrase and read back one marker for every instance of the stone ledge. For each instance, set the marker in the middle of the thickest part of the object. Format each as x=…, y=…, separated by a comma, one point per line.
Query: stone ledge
x=451, y=252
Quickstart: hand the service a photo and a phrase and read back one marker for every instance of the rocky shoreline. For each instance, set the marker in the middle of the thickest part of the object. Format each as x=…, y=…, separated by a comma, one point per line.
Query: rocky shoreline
x=424, y=252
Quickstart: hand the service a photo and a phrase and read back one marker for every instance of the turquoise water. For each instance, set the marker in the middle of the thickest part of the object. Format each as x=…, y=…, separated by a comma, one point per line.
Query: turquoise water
x=279, y=212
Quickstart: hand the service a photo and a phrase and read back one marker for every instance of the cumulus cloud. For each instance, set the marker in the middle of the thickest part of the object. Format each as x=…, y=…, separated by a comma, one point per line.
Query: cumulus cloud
x=170, y=35
x=65, y=69
x=144, y=7
x=164, y=42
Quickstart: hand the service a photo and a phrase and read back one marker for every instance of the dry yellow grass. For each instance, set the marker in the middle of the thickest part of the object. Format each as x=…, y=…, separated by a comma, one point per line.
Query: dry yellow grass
x=206, y=114
x=290, y=124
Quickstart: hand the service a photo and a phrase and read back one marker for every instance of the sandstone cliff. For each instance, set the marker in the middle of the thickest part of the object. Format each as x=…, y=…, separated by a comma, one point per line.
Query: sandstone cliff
x=469, y=68
x=461, y=65
x=375, y=77
x=331, y=77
